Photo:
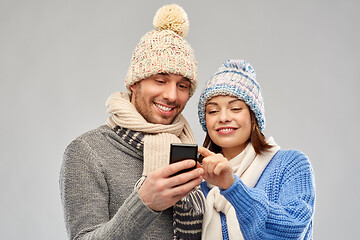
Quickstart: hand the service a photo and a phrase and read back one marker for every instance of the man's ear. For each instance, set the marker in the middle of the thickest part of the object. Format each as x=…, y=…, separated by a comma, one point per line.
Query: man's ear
x=133, y=87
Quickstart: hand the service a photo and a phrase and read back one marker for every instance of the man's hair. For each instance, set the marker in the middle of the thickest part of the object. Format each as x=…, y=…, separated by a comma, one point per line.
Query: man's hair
x=256, y=138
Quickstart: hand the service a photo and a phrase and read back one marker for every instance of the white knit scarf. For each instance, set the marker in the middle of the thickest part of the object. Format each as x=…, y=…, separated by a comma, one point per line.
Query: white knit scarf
x=248, y=166
x=157, y=137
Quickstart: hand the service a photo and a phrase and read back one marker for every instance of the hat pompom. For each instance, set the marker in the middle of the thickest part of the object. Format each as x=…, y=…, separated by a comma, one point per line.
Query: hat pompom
x=172, y=17
x=240, y=65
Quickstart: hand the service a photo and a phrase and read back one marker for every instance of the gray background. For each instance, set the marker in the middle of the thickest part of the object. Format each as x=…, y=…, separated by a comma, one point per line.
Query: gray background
x=60, y=60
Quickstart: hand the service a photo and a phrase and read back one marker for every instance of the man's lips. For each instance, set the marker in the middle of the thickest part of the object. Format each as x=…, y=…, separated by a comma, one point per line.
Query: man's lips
x=164, y=109
x=226, y=130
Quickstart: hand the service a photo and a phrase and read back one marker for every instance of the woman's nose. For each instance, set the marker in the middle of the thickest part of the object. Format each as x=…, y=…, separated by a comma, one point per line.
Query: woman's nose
x=224, y=116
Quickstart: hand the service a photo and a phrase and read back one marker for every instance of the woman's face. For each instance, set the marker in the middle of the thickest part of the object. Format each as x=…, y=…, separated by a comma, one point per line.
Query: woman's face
x=228, y=123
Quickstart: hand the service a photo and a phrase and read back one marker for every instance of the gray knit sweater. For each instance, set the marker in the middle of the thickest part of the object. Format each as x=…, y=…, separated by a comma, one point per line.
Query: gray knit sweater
x=97, y=181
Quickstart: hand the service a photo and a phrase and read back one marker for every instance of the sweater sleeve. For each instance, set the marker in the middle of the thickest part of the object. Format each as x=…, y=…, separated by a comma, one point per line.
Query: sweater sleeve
x=290, y=216
x=85, y=198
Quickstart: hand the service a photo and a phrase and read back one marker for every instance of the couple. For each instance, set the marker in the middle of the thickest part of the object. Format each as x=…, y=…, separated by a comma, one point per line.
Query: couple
x=116, y=181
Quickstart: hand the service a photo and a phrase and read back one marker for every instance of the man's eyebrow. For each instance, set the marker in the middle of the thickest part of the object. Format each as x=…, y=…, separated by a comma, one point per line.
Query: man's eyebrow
x=185, y=80
x=167, y=74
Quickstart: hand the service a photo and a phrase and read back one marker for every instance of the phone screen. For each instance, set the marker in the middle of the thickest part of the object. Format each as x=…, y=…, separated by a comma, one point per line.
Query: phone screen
x=182, y=151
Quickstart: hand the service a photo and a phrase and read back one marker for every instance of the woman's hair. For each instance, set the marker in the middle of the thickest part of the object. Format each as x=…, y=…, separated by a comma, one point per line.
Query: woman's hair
x=257, y=139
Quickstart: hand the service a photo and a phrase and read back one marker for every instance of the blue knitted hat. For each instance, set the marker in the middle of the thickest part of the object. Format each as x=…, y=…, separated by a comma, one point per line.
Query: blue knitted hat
x=234, y=78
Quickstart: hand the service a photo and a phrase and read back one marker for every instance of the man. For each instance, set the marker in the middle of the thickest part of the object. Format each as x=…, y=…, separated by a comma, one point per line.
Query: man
x=115, y=181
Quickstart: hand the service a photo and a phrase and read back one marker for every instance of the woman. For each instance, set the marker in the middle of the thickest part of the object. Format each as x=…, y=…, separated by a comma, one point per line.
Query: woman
x=253, y=189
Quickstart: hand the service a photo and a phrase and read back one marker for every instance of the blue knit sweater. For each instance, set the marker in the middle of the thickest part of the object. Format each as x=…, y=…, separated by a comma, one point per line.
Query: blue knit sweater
x=281, y=206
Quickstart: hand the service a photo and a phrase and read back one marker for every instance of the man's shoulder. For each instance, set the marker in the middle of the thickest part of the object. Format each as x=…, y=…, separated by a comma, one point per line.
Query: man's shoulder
x=104, y=141
x=95, y=133
x=88, y=139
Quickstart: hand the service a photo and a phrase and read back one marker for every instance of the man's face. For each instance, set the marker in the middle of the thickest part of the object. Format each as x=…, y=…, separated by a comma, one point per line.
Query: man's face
x=161, y=97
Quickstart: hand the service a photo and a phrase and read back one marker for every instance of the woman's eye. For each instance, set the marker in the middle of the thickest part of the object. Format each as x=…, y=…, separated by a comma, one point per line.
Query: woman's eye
x=211, y=111
x=236, y=109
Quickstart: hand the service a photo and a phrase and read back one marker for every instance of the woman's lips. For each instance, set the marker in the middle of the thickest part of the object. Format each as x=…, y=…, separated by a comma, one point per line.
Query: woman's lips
x=226, y=130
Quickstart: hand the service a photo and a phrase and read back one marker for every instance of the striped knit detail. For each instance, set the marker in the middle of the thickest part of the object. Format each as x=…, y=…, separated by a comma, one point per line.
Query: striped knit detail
x=133, y=138
x=186, y=225
x=188, y=212
x=248, y=78
x=234, y=78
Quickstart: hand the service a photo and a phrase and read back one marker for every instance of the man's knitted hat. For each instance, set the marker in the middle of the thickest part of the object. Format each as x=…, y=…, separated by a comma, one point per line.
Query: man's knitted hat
x=164, y=50
x=234, y=78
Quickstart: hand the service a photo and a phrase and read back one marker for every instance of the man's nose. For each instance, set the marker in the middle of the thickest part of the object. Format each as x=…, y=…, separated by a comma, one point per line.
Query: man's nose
x=170, y=92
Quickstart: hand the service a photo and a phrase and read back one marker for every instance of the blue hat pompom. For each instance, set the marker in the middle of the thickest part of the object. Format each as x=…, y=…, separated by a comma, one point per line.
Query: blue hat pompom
x=239, y=64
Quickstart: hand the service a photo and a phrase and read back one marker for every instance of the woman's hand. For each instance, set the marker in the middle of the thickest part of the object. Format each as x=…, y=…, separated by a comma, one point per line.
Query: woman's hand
x=217, y=168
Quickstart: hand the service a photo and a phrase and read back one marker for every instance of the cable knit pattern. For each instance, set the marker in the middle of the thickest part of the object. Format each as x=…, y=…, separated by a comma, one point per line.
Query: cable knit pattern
x=282, y=204
x=248, y=166
x=97, y=181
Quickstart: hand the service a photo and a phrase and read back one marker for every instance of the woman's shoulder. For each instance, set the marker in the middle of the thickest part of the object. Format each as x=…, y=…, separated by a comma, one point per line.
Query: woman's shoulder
x=291, y=160
x=288, y=166
x=290, y=154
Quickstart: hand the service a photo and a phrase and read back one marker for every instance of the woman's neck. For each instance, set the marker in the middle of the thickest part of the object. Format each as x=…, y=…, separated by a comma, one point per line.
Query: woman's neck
x=232, y=152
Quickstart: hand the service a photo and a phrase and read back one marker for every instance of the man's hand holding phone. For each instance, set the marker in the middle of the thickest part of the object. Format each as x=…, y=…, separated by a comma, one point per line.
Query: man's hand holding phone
x=167, y=185
x=181, y=152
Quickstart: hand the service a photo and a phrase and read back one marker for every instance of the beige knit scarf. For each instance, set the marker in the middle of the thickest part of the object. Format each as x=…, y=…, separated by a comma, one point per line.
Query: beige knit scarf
x=156, y=142
x=157, y=137
x=248, y=166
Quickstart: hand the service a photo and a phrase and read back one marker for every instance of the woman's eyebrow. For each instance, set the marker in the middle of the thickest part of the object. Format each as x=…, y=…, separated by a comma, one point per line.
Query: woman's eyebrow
x=235, y=100
x=231, y=101
x=211, y=103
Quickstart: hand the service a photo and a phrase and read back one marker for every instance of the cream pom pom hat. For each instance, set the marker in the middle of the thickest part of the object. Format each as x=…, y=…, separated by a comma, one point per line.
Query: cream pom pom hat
x=164, y=50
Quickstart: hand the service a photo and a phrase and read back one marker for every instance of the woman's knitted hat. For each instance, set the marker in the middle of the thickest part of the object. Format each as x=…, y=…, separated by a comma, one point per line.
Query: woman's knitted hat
x=165, y=49
x=234, y=78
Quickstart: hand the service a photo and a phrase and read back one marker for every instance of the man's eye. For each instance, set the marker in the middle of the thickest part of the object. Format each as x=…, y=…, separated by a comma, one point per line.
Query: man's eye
x=160, y=81
x=184, y=86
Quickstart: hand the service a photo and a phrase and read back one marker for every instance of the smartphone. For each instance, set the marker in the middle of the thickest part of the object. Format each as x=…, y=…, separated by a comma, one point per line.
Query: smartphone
x=182, y=151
